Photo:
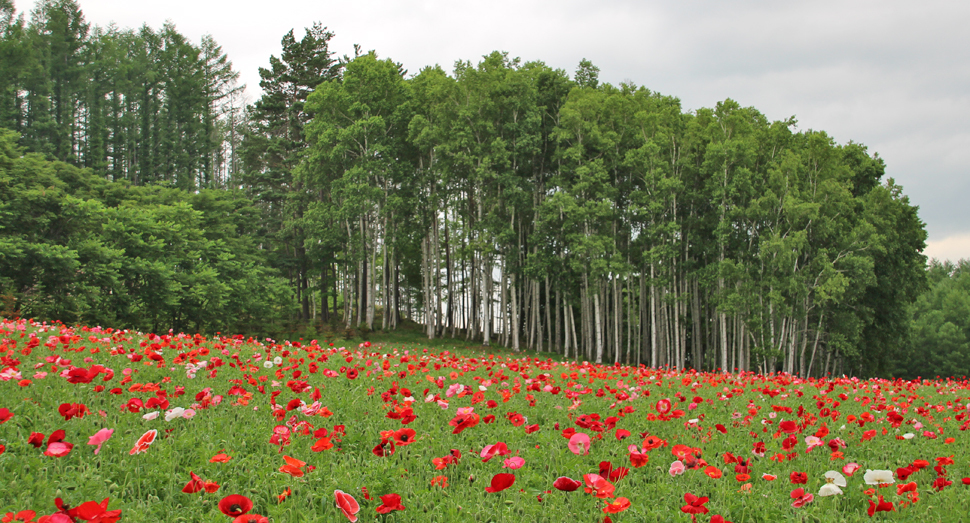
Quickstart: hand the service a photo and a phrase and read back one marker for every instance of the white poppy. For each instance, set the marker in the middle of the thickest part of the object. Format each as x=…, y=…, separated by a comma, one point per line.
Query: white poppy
x=835, y=478
x=879, y=477
x=174, y=413
x=267, y=364
x=829, y=489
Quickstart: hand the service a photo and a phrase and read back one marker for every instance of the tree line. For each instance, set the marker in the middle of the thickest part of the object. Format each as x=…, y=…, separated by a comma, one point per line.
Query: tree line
x=503, y=201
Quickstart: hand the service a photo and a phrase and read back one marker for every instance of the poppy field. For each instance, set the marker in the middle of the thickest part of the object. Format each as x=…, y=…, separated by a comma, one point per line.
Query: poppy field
x=109, y=425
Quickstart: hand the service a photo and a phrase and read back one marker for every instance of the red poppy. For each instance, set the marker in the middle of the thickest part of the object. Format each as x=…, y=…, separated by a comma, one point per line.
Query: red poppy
x=285, y=494
x=695, y=505
x=452, y=457
x=788, y=427
x=798, y=478
x=566, y=484
x=906, y=487
x=529, y=429
x=617, y=505
x=389, y=503
x=347, y=504
x=652, y=442
x=403, y=436
x=73, y=410
x=622, y=433
x=221, y=457
x=941, y=482
x=462, y=422
x=384, y=448
x=293, y=467
x=608, y=471
x=24, y=515
x=441, y=481
x=250, y=518
x=663, y=406
x=500, y=482
x=93, y=511
x=194, y=485
x=713, y=472
x=717, y=518
x=638, y=459
x=144, y=442
x=36, y=439
x=235, y=505
x=881, y=506
x=321, y=445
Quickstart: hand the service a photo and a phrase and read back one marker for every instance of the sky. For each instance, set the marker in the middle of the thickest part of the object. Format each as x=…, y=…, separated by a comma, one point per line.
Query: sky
x=893, y=75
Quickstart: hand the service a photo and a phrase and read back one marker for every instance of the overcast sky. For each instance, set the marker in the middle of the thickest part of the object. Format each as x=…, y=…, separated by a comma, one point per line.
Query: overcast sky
x=891, y=74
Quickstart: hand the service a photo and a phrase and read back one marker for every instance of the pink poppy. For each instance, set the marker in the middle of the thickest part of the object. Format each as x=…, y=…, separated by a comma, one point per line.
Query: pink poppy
x=513, y=463
x=800, y=497
x=56, y=446
x=99, y=438
x=490, y=451
x=579, y=443
x=598, y=486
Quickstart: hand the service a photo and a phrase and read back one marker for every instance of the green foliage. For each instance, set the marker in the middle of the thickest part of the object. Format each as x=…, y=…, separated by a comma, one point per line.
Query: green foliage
x=938, y=342
x=76, y=248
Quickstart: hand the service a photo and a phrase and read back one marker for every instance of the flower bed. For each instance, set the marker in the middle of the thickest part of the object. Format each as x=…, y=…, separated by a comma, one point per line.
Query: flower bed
x=105, y=425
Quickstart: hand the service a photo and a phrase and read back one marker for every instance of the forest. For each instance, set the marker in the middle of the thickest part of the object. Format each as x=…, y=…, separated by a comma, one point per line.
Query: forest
x=502, y=201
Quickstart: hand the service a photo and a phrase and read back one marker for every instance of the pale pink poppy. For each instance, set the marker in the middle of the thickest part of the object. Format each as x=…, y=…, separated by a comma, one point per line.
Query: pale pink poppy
x=579, y=443
x=188, y=413
x=347, y=504
x=850, y=468
x=677, y=468
x=99, y=438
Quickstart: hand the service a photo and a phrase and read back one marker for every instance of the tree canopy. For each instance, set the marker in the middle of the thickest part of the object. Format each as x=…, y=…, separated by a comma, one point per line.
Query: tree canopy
x=503, y=201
